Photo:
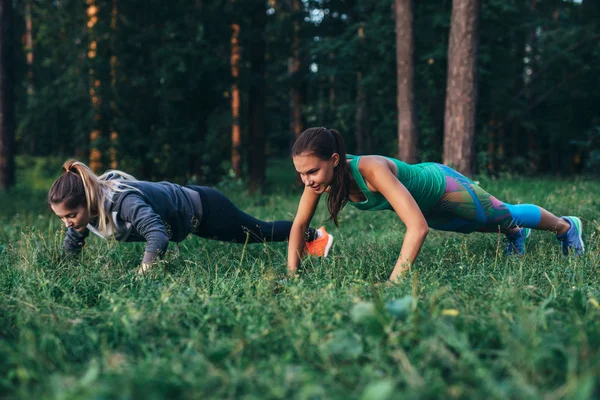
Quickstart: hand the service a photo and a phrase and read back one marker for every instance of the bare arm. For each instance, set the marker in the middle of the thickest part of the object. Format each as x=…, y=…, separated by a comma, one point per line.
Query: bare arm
x=377, y=172
x=306, y=209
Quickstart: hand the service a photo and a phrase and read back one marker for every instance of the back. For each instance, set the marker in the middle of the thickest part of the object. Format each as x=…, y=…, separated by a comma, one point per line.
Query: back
x=425, y=182
x=170, y=201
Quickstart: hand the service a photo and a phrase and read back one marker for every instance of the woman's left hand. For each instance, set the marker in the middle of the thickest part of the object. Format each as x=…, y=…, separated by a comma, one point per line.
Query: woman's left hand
x=145, y=268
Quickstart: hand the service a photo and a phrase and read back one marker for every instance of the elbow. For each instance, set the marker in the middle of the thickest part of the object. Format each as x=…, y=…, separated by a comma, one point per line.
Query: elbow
x=420, y=231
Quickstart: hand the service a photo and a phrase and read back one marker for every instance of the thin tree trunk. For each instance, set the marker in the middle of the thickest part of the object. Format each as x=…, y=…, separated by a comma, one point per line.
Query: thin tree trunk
x=100, y=134
x=30, y=144
x=7, y=97
x=236, y=132
x=530, y=76
x=461, y=90
x=95, y=154
x=405, y=73
x=29, y=48
x=361, y=100
x=257, y=164
x=294, y=67
x=114, y=136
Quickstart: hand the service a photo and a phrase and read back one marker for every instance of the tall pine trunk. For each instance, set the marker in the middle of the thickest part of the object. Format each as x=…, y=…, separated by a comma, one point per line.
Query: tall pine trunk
x=461, y=90
x=294, y=69
x=114, y=136
x=531, y=52
x=29, y=48
x=99, y=78
x=258, y=47
x=7, y=97
x=361, y=129
x=236, y=131
x=405, y=73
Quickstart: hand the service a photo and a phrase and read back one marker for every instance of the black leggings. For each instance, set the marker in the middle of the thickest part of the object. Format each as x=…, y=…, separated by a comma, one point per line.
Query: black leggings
x=222, y=220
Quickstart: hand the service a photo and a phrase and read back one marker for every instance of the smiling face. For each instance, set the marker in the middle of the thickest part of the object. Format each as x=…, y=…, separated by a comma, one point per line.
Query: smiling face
x=315, y=173
x=76, y=218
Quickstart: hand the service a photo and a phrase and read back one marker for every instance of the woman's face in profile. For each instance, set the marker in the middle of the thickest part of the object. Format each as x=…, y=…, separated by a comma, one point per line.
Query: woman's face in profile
x=76, y=218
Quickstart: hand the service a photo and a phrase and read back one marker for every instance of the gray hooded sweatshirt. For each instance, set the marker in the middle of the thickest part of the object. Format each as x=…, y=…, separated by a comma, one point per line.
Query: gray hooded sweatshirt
x=151, y=212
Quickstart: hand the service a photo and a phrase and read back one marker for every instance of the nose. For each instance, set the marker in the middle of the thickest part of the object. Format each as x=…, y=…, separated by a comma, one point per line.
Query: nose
x=68, y=223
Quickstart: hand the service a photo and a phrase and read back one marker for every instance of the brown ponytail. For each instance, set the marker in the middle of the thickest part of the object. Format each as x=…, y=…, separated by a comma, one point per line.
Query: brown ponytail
x=323, y=143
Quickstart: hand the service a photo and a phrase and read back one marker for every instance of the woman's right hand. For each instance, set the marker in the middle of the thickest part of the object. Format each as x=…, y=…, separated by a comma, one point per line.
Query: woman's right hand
x=306, y=209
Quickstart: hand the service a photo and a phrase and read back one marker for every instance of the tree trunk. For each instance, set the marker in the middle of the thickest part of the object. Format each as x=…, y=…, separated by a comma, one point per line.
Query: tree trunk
x=530, y=75
x=99, y=73
x=294, y=67
x=405, y=73
x=236, y=132
x=7, y=97
x=114, y=136
x=29, y=49
x=257, y=164
x=461, y=90
x=361, y=129
x=30, y=144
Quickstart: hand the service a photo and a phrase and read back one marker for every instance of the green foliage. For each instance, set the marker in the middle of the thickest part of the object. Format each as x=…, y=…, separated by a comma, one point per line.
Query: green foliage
x=169, y=98
x=217, y=320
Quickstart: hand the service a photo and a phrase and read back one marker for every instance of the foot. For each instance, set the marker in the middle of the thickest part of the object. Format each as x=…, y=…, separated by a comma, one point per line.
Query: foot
x=572, y=240
x=319, y=247
x=516, y=242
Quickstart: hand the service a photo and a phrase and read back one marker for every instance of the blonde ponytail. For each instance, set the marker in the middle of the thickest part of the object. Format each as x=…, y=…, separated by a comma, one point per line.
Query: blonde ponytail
x=79, y=186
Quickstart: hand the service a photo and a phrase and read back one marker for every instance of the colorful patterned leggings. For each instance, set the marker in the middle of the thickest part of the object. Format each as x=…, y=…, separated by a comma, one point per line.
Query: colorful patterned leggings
x=465, y=207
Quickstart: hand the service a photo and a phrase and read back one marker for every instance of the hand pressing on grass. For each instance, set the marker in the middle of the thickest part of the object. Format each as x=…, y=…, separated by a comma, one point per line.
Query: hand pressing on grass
x=145, y=269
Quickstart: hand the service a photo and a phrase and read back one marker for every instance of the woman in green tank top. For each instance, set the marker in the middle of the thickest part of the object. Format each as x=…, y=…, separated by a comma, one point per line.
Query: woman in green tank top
x=422, y=195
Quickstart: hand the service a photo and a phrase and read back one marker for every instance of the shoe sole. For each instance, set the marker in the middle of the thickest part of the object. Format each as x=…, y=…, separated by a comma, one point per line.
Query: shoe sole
x=579, y=227
x=328, y=245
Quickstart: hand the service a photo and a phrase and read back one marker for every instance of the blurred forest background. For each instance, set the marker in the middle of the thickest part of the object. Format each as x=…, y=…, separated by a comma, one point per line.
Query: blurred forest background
x=197, y=90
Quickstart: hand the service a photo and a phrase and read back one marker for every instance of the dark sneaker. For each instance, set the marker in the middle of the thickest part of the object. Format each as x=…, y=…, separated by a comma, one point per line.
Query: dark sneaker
x=516, y=242
x=572, y=240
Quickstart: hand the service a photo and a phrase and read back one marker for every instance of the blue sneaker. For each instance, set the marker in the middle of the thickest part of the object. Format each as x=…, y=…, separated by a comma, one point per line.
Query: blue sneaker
x=516, y=242
x=572, y=239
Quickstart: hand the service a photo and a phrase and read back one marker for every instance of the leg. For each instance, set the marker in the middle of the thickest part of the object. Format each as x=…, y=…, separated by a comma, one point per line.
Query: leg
x=465, y=207
x=459, y=209
x=466, y=202
x=222, y=220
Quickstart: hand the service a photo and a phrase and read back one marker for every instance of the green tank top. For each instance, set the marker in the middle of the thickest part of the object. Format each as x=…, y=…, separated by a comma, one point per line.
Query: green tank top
x=425, y=182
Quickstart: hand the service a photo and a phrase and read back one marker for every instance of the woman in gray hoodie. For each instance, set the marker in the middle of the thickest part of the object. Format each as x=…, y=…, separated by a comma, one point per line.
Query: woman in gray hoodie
x=116, y=205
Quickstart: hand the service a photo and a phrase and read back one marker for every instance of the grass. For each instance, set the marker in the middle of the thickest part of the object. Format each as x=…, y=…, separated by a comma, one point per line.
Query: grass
x=218, y=321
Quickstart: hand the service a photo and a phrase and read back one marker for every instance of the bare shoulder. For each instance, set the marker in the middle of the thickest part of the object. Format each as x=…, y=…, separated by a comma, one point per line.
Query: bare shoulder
x=371, y=164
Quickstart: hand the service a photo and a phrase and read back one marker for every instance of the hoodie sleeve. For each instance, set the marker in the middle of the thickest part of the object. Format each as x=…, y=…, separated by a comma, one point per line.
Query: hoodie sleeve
x=135, y=210
x=74, y=241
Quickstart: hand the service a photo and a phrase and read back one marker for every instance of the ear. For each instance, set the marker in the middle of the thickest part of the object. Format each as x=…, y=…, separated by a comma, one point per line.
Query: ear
x=335, y=157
